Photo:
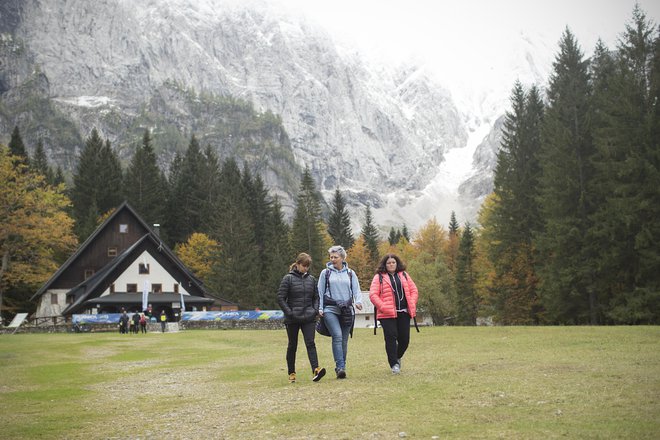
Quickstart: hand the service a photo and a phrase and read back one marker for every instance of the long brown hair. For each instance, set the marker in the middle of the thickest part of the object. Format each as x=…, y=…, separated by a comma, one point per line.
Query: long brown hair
x=382, y=266
x=303, y=259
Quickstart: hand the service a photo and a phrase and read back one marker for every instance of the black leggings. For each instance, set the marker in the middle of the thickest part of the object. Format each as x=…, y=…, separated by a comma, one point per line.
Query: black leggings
x=308, y=331
x=396, y=332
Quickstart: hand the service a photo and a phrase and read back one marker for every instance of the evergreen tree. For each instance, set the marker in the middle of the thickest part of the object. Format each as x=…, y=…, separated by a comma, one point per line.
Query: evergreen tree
x=453, y=224
x=39, y=163
x=625, y=231
x=405, y=233
x=58, y=178
x=16, y=145
x=516, y=215
x=144, y=184
x=307, y=226
x=259, y=207
x=235, y=275
x=260, y=212
x=110, y=179
x=209, y=188
x=339, y=224
x=392, y=238
x=189, y=194
x=370, y=234
x=453, y=243
x=567, y=147
x=96, y=184
x=277, y=255
x=466, y=279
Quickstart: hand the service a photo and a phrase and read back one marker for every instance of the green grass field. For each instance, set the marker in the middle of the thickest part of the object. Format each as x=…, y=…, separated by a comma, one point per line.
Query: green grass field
x=456, y=382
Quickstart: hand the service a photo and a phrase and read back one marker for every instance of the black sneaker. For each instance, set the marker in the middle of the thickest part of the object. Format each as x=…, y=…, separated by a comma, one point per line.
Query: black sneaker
x=318, y=374
x=341, y=374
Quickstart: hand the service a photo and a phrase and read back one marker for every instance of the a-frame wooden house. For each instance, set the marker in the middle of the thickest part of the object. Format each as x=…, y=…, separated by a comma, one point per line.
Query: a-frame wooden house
x=112, y=268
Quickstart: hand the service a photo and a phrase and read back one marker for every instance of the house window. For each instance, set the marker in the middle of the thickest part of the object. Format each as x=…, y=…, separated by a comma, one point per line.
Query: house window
x=69, y=299
x=366, y=317
x=157, y=288
x=143, y=269
x=89, y=273
x=176, y=287
x=131, y=288
x=112, y=251
x=53, y=298
x=112, y=288
x=123, y=229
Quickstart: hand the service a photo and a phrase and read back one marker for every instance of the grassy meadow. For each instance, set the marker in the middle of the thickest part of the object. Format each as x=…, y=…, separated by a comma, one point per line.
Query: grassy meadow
x=456, y=383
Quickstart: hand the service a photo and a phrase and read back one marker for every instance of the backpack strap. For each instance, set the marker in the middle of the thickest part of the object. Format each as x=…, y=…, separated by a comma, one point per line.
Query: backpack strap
x=380, y=278
x=327, y=282
x=414, y=317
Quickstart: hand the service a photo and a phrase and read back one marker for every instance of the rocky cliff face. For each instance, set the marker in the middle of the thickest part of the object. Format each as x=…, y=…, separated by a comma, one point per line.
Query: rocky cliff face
x=369, y=131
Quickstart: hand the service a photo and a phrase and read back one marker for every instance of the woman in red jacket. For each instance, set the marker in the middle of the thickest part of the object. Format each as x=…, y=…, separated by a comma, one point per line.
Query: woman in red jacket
x=394, y=295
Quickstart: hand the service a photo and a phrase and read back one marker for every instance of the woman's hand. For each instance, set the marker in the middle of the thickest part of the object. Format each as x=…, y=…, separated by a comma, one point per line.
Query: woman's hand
x=321, y=313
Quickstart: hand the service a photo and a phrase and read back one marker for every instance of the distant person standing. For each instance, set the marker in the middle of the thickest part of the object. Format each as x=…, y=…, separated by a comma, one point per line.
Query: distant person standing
x=123, y=322
x=163, y=321
x=339, y=290
x=394, y=295
x=143, y=323
x=136, y=322
x=299, y=300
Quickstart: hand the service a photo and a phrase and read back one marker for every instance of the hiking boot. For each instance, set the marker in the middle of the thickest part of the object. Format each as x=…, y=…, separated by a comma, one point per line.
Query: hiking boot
x=318, y=374
x=341, y=374
x=292, y=378
x=396, y=369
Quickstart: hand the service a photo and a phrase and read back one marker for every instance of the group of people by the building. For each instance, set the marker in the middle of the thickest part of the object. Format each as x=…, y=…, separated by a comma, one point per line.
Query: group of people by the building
x=133, y=324
x=137, y=322
x=332, y=299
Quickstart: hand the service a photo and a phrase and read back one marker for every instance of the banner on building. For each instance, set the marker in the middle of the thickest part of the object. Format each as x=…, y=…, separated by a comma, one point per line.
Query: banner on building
x=232, y=315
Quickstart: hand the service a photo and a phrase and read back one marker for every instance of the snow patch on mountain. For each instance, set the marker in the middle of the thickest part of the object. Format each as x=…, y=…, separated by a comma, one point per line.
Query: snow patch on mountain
x=89, y=101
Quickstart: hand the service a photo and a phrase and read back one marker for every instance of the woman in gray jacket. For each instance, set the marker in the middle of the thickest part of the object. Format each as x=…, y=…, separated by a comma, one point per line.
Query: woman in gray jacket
x=299, y=300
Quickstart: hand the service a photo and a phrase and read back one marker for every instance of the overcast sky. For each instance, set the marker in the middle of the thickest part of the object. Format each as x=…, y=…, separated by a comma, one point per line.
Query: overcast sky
x=402, y=25
x=473, y=46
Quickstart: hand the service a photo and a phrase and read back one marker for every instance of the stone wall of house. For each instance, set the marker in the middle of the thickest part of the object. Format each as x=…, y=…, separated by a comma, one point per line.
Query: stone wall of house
x=51, y=303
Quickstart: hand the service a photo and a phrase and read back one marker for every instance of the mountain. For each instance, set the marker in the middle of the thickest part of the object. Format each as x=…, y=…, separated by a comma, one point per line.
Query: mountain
x=393, y=137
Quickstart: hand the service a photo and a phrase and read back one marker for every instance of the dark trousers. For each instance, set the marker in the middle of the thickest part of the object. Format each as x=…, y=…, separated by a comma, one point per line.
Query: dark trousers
x=308, y=330
x=396, y=332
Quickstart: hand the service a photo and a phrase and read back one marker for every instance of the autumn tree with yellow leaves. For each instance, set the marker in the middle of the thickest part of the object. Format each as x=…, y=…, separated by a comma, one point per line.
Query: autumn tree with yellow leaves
x=35, y=226
x=198, y=254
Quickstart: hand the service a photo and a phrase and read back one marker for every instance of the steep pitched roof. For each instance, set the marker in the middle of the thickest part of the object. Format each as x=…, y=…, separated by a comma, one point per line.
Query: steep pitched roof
x=96, y=284
x=87, y=243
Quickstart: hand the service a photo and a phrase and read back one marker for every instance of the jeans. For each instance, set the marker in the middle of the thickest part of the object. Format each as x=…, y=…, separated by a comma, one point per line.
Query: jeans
x=308, y=330
x=339, y=339
x=397, y=336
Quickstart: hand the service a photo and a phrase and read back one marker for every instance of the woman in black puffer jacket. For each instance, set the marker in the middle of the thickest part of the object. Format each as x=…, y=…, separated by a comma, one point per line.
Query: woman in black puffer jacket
x=299, y=300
